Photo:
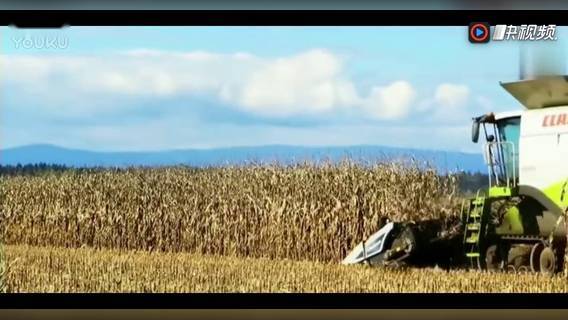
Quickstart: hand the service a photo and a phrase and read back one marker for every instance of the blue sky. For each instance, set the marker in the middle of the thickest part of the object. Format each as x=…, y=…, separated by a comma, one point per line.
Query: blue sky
x=156, y=88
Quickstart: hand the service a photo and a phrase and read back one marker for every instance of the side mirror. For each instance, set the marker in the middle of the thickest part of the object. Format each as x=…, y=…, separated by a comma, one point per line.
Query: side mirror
x=475, y=131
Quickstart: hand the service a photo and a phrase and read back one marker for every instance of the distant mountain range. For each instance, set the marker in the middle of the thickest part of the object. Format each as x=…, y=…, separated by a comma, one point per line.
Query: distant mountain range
x=442, y=160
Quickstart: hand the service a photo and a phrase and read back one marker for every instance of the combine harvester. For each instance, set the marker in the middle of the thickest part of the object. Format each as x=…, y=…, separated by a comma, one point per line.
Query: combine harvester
x=518, y=223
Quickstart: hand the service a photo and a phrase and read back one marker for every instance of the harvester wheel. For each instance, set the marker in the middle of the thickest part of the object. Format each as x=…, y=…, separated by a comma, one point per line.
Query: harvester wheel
x=523, y=269
x=535, y=256
x=493, y=259
x=547, y=261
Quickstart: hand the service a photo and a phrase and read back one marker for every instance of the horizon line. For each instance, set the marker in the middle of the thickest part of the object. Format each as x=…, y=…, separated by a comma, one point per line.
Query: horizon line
x=233, y=147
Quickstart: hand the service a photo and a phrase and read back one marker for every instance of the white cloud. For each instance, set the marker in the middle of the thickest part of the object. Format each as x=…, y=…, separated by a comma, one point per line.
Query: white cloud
x=451, y=95
x=392, y=101
x=310, y=82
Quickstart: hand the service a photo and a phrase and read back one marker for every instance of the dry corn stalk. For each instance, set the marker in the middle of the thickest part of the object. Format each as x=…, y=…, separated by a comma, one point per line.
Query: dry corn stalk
x=301, y=212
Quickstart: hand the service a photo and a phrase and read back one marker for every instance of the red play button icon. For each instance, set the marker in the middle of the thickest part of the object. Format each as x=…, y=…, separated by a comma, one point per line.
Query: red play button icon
x=478, y=32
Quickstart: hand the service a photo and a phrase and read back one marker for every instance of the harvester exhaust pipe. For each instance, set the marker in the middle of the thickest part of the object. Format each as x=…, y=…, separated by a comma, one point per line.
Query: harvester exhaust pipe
x=541, y=59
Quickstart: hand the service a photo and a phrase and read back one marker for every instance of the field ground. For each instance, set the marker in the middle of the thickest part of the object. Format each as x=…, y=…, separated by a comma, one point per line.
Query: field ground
x=50, y=269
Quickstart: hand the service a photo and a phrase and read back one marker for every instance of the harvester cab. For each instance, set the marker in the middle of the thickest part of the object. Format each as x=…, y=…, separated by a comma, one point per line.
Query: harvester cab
x=502, y=133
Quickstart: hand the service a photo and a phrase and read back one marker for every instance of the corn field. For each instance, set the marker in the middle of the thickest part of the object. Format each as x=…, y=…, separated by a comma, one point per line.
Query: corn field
x=300, y=212
x=89, y=270
x=231, y=229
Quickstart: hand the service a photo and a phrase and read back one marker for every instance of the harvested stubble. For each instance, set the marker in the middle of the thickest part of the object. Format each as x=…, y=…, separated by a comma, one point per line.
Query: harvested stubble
x=302, y=212
x=89, y=270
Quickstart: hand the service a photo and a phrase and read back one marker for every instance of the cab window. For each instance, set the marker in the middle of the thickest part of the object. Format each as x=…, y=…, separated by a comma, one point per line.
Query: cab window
x=509, y=131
